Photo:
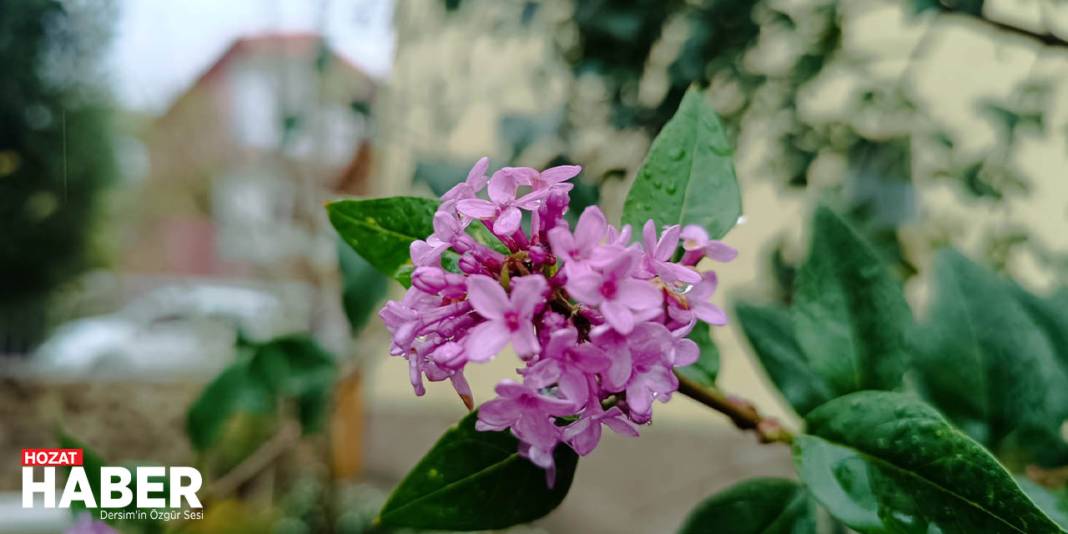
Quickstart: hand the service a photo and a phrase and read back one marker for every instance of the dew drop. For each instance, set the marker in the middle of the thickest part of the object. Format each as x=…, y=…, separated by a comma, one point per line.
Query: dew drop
x=681, y=288
x=741, y=219
x=677, y=154
x=672, y=188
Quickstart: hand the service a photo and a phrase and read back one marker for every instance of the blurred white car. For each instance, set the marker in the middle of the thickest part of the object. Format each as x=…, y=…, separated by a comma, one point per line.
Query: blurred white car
x=172, y=332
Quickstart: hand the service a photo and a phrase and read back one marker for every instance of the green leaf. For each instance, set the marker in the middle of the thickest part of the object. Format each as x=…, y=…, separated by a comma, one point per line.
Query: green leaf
x=381, y=229
x=296, y=367
x=757, y=506
x=1053, y=502
x=770, y=331
x=235, y=390
x=850, y=315
x=362, y=286
x=473, y=480
x=1050, y=314
x=981, y=359
x=886, y=462
x=704, y=370
x=688, y=176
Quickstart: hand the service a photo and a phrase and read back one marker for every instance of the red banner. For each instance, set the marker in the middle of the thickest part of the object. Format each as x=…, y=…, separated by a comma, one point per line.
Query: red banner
x=51, y=457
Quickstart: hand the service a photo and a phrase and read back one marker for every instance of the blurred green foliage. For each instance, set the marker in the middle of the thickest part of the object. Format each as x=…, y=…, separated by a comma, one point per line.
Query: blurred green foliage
x=55, y=155
x=287, y=375
x=647, y=52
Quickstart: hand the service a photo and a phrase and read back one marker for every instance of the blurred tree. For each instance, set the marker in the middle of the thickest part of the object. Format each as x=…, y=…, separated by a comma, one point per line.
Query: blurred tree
x=55, y=156
x=760, y=58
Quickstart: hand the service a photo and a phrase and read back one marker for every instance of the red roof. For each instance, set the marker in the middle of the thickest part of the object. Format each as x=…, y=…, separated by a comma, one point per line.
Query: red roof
x=290, y=44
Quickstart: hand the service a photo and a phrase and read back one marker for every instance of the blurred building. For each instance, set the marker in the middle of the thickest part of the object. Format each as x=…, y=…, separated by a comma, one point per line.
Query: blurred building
x=240, y=163
x=469, y=81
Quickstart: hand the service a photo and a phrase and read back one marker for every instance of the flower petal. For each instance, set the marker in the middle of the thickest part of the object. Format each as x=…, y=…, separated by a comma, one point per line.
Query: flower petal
x=559, y=173
x=720, y=251
x=618, y=315
x=639, y=398
x=686, y=353
x=673, y=272
x=709, y=313
x=619, y=424
x=525, y=340
x=562, y=242
x=669, y=241
x=487, y=296
x=617, y=375
x=590, y=228
x=649, y=237
x=477, y=208
x=527, y=292
x=585, y=288
x=508, y=221
x=498, y=414
x=476, y=177
x=574, y=386
x=502, y=187
x=585, y=439
x=486, y=340
x=590, y=358
x=638, y=295
x=693, y=237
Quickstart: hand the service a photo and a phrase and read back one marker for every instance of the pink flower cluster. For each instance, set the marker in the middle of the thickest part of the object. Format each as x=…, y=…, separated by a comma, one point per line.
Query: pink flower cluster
x=598, y=322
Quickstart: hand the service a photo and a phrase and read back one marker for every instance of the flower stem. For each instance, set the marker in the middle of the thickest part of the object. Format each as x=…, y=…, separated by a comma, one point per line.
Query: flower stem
x=740, y=411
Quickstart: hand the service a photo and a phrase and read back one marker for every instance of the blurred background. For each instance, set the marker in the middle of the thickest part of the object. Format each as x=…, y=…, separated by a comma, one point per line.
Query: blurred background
x=172, y=293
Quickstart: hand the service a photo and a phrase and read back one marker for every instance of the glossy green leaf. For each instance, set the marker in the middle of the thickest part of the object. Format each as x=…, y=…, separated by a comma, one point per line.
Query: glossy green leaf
x=473, y=480
x=1053, y=502
x=885, y=462
x=850, y=315
x=984, y=362
x=688, y=175
x=382, y=229
x=770, y=332
x=757, y=506
x=704, y=370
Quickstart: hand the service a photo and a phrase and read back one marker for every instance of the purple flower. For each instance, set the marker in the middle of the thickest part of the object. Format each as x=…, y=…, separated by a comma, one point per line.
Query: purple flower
x=579, y=247
x=584, y=434
x=568, y=364
x=508, y=318
x=615, y=292
x=503, y=203
x=475, y=182
x=695, y=304
x=555, y=178
x=651, y=377
x=528, y=414
x=697, y=245
x=597, y=322
x=657, y=260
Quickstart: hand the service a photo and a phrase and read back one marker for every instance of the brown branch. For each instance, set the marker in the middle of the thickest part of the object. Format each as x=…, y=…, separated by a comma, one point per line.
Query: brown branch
x=1046, y=38
x=741, y=412
x=1051, y=477
x=260, y=459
